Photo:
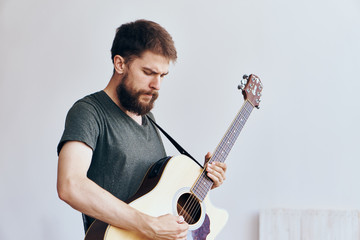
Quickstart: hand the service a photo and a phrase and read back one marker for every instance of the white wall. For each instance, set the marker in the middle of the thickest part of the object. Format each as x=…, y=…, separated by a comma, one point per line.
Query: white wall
x=300, y=150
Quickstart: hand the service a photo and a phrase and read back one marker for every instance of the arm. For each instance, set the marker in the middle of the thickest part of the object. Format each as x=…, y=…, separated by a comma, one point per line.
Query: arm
x=84, y=195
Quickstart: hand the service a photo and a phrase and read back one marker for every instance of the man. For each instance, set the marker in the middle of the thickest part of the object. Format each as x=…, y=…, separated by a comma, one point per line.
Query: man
x=109, y=143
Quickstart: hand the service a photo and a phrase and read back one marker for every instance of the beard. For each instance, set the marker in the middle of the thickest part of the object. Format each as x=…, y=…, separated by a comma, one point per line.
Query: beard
x=130, y=98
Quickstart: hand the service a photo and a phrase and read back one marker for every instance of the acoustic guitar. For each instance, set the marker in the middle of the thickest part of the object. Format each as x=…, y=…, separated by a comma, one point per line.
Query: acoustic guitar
x=178, y=185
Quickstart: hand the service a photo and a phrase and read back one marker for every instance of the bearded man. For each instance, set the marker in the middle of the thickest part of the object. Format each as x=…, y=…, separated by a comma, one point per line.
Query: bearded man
x=109, y=143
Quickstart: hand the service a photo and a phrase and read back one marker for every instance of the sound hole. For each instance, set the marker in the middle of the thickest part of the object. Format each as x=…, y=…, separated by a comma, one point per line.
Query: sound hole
x=189, y=207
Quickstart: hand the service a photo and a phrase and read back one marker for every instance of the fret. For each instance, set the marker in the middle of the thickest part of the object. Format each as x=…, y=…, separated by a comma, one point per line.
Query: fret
x=204, y=183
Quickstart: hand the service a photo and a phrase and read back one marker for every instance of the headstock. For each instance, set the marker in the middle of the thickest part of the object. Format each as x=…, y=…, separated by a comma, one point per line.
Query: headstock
x=251, y=87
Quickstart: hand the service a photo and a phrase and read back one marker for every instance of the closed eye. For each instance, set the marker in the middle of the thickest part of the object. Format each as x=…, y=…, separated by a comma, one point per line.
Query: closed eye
x=150, y=72
x=147, y=72
x=164, y=74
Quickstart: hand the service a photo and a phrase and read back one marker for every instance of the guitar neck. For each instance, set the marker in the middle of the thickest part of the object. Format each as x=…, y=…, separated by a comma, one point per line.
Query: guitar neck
x=204, y=183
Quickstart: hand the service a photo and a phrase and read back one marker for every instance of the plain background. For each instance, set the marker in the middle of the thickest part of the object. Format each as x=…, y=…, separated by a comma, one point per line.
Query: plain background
x=299, y=150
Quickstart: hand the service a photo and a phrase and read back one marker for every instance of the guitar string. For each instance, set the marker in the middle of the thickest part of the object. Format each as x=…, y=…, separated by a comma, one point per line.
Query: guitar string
x=230, y=138
x=192, y=207
x=232, y=135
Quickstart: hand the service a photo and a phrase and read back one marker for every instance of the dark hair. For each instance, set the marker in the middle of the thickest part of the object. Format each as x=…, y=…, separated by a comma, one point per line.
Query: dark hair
x=133, y=38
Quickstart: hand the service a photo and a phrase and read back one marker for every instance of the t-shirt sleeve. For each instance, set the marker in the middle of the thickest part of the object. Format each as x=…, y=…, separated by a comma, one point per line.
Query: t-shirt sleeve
x=81, y=124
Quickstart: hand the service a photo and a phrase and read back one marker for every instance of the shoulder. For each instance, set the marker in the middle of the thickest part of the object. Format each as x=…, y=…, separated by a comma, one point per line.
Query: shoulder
x=83, y=122
x=88, y=105
x=90, y=101
x=86, y=113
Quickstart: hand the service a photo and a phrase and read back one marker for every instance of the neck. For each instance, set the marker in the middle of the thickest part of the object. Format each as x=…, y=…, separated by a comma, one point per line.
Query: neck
x=110, y=90
x=204, y=183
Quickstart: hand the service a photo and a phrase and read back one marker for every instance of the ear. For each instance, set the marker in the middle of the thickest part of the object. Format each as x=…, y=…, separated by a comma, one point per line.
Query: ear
x=119, y=64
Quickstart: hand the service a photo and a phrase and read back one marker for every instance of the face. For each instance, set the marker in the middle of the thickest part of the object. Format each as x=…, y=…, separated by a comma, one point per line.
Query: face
x=140, y=83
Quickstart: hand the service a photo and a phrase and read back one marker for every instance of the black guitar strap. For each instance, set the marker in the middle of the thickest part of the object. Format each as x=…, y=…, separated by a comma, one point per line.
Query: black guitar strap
x=176, y=145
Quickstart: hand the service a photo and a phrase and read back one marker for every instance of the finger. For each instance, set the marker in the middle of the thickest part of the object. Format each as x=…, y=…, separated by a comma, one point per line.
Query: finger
x=184, y=228
x=180, y=219
x=207, y=157
x=216, y=172
x=215, y=177
x=217, y=168
x=182, y=235
x=216, y=182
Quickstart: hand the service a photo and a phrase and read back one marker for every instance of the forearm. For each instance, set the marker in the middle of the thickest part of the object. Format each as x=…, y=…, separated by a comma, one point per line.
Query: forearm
x=87, y=197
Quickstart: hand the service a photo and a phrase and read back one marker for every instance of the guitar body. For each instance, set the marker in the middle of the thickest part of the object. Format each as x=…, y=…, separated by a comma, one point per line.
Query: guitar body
x=165, y=187
x=179, y=186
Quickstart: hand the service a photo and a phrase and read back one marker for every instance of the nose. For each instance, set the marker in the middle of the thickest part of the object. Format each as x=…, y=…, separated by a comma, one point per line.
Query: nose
x=156, y=82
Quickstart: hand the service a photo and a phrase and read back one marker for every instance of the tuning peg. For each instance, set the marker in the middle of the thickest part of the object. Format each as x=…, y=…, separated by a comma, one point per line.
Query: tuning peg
x=258, y=101
x=241, y=86
x=245, y=76
x=243, y=83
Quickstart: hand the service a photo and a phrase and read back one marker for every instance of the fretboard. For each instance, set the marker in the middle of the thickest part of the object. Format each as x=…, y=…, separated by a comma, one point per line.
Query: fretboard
x=204, y=183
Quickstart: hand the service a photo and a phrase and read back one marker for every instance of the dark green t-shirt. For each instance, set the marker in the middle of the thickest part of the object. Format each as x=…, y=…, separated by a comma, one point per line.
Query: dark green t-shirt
x=123, y=150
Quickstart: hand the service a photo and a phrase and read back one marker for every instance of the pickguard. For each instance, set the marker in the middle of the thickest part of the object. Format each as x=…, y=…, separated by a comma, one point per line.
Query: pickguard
x=202, y=232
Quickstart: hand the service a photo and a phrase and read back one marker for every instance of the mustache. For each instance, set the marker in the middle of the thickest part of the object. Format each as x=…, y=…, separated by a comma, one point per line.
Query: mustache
x=155, y=93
